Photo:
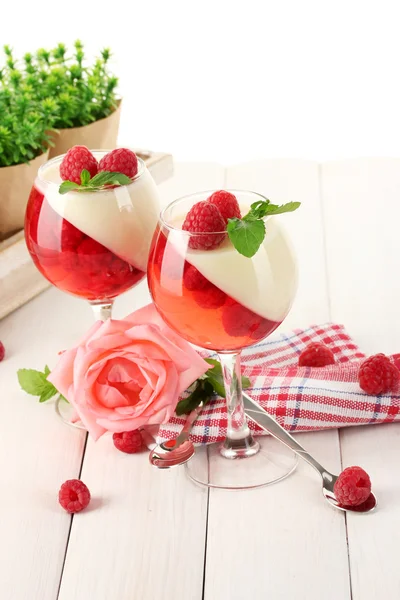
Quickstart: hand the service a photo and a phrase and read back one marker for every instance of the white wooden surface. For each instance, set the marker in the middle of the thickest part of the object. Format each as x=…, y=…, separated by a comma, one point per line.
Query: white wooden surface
x=153, y=535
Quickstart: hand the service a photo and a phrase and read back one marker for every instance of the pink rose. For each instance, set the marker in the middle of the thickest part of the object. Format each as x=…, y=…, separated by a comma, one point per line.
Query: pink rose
x=127, y=374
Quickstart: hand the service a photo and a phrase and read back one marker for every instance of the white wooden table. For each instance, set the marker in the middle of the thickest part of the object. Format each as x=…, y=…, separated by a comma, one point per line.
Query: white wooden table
x=152, y=535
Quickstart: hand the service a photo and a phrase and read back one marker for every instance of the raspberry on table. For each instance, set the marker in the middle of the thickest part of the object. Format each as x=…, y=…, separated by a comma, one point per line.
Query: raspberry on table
x=227, y=205
x=121, y=160
x=129, y=442
x=352, y=487
x=316, y=355
x=205, y=219
x=377, y=375
x=76, y=159
x=74, y=495
x=194, y=280
x=2, y=351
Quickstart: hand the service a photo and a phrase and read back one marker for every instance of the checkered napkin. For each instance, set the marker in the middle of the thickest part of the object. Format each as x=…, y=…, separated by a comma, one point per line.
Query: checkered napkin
x=300, y=398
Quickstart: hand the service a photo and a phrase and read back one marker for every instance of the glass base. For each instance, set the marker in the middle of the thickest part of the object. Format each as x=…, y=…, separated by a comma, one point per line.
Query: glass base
x=65, y=411
x=274, y=462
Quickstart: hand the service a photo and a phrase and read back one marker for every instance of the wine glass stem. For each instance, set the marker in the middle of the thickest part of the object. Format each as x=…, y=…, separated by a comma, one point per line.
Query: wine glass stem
x=239, y=442
x=102, y=310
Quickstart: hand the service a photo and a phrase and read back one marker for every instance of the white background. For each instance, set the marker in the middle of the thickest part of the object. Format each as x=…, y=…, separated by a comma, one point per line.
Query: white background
x=232, y=81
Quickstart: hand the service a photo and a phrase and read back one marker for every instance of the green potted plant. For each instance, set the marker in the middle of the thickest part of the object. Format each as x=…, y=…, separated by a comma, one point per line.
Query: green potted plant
x=88, y=110
x=25, y=121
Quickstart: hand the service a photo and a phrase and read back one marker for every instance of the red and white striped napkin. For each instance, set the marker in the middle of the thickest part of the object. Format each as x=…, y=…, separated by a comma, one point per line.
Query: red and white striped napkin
x=300, y=398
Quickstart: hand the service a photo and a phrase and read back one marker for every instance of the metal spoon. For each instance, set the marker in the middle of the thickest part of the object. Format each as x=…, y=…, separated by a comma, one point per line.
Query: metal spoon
x=176, y=452
x=255, y=412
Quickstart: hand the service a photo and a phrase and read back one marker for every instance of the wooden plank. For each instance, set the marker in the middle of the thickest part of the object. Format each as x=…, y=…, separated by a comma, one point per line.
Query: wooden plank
x=146, y=538
x=272, y=542
x=37, y=451
x=282, y=541
x=361, y=206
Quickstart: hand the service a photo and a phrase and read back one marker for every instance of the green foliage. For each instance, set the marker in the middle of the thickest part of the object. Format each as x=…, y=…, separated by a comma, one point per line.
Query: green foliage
x=50, y=90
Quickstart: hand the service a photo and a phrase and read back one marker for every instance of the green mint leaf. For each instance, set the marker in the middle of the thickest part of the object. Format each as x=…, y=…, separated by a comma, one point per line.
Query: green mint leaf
x=246, y=383
x=63, y=398
x=258, y=210
x=35, y=383
x=68, y=186
x=85, y=177
x=246, y=236
x=47, y=394
x=274, y=209
x=100, y=179
x=216, y=378
x=203, y=392
x=120, y=178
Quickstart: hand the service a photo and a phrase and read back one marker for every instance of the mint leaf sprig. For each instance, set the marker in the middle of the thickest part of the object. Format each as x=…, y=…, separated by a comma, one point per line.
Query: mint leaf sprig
x=247, y=234
x=204, y=388
x=36, y=383
x=101, y=181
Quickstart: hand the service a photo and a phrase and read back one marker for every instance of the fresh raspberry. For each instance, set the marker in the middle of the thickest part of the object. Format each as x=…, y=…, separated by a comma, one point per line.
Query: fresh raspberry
x=2, y=351
x=316, y=355
x=352, y=487
x=227, y=205
x=91, y=252
x=211, y=297
x=194, y=280
x=70, y=236
x=205, y=218
x=128, y=441
x=377, y=375
x=73, y=163
x=121, y=160
x=74, y=495
x=239, y=320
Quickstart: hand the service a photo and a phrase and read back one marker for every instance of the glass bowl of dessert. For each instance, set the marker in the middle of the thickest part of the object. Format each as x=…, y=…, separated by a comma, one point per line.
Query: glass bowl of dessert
x=222, y=273
x=89, y=222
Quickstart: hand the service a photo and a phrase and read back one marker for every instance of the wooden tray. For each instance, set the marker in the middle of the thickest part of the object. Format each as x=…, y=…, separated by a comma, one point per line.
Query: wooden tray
x=20, y=281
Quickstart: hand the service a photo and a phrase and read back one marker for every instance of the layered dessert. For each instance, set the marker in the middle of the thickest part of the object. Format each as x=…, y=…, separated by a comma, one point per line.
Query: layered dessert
x=216, y=296
x=92, y=237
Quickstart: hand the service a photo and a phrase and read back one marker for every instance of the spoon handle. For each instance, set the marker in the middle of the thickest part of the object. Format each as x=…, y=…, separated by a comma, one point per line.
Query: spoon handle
x=260, y=416
x=185, y=431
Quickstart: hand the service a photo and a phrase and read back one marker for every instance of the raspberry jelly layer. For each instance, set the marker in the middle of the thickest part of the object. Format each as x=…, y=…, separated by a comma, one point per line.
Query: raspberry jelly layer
x=71, y=260
x=196, y=308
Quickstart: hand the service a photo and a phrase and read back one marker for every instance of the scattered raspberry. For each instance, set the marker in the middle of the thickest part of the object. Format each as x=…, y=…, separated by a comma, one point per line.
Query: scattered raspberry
x=239, y=320
x=2, y=351
x=205, y=218
x=352, y=487
x=121, y=160
x=316, y=355
x=128, y=441
x=194, y=280
x=211, y=297
x=74, y=495
x=227, y=204
x=377, y=375
x=73, y=163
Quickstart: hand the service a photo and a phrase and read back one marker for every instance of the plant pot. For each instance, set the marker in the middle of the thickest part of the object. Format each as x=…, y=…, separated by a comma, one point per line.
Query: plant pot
x=100, y=134
x=15, y=187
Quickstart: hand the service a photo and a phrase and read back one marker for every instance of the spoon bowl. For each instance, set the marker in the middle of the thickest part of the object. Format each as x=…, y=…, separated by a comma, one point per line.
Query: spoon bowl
x=168, y=454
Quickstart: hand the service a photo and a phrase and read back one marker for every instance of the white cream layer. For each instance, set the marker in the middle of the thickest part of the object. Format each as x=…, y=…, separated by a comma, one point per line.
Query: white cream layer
x=265, y=283
x=122, y=219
